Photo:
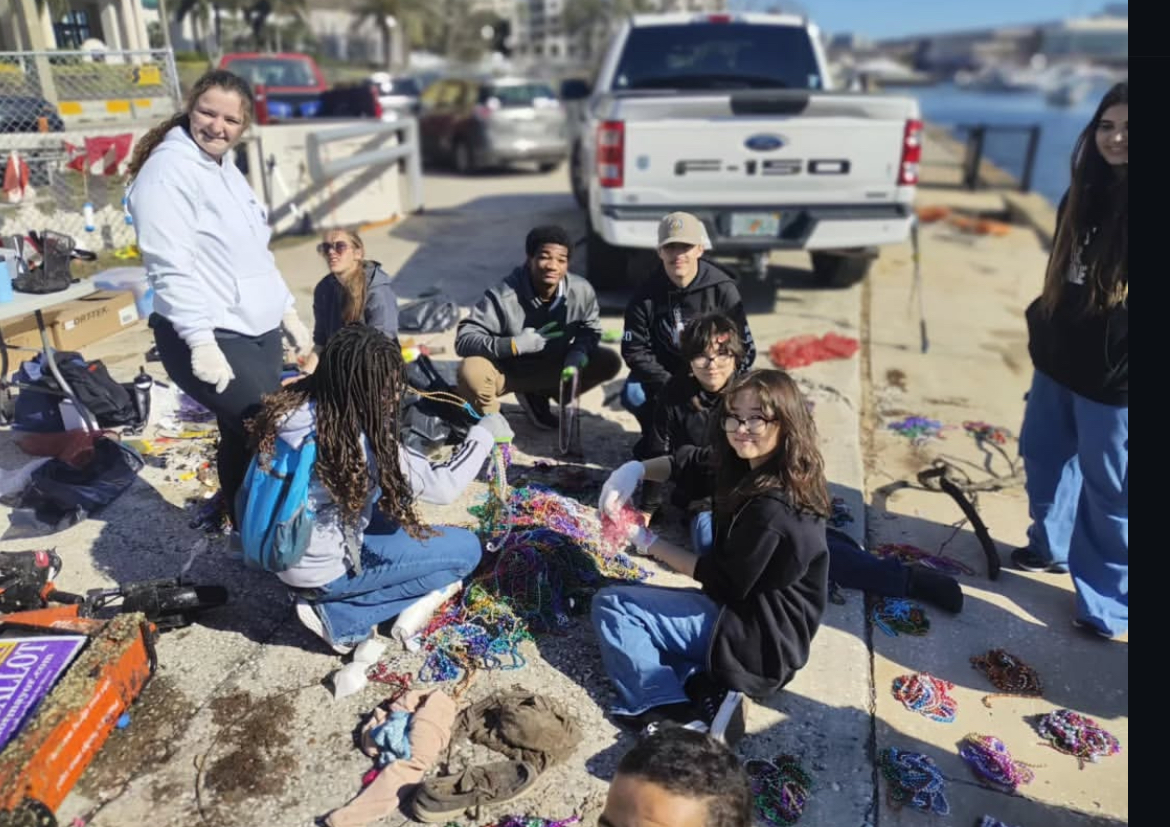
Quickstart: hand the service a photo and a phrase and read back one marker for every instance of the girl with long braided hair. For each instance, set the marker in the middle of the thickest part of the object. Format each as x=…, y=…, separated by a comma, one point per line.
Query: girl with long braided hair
x=370, y=558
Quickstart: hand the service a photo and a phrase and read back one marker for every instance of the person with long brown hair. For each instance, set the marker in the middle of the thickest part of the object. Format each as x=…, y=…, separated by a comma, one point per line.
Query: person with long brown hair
x=690, y=655
x=356, y=289
x=219, y=300
x=370, y=557
x=1075, y=435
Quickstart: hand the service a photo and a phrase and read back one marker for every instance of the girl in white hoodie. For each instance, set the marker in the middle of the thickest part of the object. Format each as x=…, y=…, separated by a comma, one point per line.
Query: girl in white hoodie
x=219, y=299
x=364, y=566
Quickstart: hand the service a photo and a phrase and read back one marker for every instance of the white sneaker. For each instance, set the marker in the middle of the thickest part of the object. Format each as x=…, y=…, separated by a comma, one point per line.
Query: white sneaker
x=408, y=624
x=730, y=721
x=307, y=613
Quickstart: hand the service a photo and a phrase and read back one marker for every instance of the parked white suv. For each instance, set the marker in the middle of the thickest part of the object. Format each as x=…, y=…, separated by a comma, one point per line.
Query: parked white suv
x=732, y=117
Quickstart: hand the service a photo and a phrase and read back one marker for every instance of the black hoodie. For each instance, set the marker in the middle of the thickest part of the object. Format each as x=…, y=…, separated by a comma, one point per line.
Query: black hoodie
x=1088, y=353
x=658, y=312
x=769, y=573
x=682, y=418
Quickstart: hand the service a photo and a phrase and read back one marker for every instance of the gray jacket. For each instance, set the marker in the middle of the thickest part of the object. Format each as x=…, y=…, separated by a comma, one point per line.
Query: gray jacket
x=381, y=304
x=506, y=309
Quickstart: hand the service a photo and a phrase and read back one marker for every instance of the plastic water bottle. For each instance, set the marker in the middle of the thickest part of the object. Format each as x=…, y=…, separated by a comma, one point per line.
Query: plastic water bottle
x=7, y=274
x=129, y=219
x=142, y=385
x=87, y=211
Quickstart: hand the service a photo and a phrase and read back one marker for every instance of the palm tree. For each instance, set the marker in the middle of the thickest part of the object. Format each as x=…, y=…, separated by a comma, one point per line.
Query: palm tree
x=406, y=14
x=597, y=18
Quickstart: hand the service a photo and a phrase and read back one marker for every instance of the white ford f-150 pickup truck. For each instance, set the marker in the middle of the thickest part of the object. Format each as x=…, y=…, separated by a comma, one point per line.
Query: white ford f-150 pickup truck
x=733, y=117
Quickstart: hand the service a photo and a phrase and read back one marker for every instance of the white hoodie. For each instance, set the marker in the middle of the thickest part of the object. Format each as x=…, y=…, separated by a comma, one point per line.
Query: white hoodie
x=204, y=238
x=325, y=558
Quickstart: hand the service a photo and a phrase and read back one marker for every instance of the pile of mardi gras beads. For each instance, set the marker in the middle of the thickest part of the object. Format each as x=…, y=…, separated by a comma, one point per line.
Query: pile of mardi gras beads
x=927, y=695
x=615, y=530
x=914, y=780
x=529, y=821
x=1007, y=673
x=910, y=555
x=988, y=821
x=992, y=764
x=780, y=789
x=841, y=513
x=987, y=433
x=898, y=615
x=546, y=567
x=918, y=428
x=1078, y=735
x=399, y=682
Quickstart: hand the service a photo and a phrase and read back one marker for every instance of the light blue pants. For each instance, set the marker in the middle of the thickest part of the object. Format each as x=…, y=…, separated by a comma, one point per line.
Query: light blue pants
x=1076, y=458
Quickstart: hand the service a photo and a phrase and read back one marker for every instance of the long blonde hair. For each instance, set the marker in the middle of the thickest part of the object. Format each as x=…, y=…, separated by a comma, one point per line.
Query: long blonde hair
x=356, y=285
x=1098, y=197
x=215, y=79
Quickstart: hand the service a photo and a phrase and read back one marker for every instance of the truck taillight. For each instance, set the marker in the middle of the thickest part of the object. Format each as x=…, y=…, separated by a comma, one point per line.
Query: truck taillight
x=719, y=18
x=377, y=101
x=611, y=152
x=911, y=154
x=260, y=104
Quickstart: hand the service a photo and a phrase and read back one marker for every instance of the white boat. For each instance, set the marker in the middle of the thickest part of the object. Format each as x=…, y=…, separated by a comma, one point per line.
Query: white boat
x=1068, y=92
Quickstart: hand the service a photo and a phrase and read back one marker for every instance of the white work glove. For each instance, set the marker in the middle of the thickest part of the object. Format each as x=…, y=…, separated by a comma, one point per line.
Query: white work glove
x=302, y=339
x=497, y=426
x=620, y=487
x=210, y=365
x=642, y=538
x=529, y=341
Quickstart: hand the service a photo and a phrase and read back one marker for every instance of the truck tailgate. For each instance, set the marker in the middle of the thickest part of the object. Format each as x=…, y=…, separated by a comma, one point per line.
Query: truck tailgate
x=760, y=148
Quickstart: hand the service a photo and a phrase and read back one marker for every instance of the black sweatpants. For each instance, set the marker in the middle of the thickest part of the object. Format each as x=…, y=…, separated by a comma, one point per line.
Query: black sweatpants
x=256, y=362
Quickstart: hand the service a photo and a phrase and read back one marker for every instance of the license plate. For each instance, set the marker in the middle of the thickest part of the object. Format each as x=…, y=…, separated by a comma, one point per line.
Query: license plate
x=762, y=224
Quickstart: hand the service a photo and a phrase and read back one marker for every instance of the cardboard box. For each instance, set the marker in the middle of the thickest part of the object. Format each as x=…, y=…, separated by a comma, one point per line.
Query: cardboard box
x=74, y=324
x=81, y=322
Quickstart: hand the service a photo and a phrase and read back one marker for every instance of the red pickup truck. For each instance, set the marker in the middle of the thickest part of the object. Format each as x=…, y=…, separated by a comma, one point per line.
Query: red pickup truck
x=290, y=85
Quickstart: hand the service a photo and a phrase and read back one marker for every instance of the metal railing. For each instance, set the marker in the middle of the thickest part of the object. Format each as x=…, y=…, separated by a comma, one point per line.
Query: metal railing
x=974, y=171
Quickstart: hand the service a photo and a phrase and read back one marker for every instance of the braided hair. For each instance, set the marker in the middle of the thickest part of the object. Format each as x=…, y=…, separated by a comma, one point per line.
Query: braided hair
x=357, y=387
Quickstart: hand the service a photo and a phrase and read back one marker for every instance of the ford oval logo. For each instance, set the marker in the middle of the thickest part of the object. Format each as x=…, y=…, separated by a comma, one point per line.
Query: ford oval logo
x=764, y=142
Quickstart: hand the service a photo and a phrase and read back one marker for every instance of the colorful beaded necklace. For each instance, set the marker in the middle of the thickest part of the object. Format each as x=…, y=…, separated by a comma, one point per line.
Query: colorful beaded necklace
x=1079, y=735
x=894, y=615
x=1009, y=674
x=927, y=695
x=780, y=789
x=913, y=779
x=992, y=764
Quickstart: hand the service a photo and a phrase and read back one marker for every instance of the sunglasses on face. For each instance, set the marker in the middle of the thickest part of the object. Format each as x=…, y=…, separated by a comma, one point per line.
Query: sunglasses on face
x=327, y=247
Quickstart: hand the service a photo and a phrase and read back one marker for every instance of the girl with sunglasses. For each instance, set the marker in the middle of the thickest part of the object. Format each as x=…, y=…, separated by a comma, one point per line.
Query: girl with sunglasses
x=355, y=290
x=690, y=654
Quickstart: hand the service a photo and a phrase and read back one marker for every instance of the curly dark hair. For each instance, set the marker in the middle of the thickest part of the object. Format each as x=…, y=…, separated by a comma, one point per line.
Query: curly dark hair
x=694, y=765
x=797, y=467
x=547, y=234
x=711, y=328
x=215, y=79
x=1097, y=197
x=357, y=387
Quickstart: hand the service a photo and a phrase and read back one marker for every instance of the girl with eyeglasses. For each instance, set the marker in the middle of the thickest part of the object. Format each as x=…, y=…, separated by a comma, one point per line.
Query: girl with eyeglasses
x=690, y=654
x=355, y=290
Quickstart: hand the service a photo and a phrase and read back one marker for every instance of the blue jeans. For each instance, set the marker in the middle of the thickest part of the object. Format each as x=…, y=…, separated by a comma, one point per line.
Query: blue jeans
x=1076, y=460
x=652, y=638
x=396, y=571
x=849, y=566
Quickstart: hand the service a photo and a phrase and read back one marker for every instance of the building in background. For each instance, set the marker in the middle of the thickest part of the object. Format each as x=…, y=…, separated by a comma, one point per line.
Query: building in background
x=30, y=25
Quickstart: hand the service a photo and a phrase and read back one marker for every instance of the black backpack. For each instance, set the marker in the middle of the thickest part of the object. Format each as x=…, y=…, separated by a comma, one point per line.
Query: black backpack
x=111, y=403
x=427, y=424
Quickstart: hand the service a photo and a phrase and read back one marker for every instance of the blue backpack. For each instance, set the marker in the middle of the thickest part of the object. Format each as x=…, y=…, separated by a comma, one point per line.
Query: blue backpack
x=273, y=509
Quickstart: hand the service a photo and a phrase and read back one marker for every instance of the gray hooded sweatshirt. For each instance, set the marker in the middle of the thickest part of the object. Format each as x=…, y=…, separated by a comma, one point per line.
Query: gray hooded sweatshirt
x=204, y=239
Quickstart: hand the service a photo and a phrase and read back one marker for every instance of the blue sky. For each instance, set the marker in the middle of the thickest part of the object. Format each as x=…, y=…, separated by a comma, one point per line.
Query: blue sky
x=895, y=18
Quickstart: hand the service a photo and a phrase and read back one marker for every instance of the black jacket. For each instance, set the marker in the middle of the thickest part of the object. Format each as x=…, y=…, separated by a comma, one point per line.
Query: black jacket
x=658, y=312
x=682, y=415
x=506, y=309
x=1087, y=353
x=329, y=299
x=769, y=573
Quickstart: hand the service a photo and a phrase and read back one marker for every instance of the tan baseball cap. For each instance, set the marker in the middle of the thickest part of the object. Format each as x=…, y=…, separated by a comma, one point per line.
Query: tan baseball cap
x=681, y=228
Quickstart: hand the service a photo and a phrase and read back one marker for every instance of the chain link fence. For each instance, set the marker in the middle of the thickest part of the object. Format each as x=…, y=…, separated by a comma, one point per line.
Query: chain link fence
x=68, y=124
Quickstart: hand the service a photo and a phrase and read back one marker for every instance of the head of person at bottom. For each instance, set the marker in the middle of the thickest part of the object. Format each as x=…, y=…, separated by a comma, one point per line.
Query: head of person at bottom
x=677, y=777
x=764, y=437
x=355, y=392
x=547, y=251
x=713, y=347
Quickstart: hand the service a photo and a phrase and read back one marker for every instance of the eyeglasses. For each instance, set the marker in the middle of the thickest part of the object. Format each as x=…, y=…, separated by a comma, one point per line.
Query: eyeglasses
x=754, y=424
x=327, y=247
x=703, y=360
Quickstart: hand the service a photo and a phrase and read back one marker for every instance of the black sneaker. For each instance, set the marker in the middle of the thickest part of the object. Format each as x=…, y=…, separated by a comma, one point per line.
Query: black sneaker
x=684, y=714
x=539, y=411
x=723, y=710
x=1027, y=559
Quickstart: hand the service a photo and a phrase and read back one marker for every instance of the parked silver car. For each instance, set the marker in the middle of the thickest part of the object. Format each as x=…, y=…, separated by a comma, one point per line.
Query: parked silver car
x=480, y=122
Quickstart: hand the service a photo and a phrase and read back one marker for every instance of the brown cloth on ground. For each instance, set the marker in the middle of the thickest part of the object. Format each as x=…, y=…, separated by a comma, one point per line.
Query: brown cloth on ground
x=522, y=725
x=430, y=729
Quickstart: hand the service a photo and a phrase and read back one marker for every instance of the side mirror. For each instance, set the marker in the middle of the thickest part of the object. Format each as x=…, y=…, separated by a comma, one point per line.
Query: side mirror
x=574, y=89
